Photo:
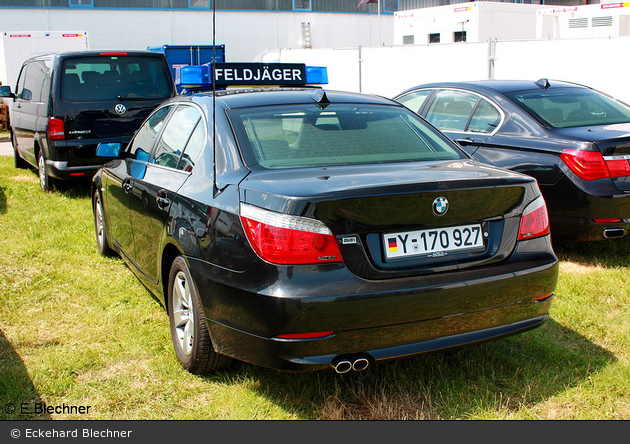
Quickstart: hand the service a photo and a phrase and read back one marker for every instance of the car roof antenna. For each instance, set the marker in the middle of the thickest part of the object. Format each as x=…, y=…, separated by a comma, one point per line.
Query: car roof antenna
x=542, y=83
x=321, y=99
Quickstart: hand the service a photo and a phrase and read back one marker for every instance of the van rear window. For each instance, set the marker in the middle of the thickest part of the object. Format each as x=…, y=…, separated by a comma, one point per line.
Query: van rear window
x=111, y=78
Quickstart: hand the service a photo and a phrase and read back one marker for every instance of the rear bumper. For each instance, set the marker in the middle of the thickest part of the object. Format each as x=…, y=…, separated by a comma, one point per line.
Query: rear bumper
x=386, y=319
x=61, y=170
x=581, y=229
x=76, y=159
x=573, y=210
x=421, y=337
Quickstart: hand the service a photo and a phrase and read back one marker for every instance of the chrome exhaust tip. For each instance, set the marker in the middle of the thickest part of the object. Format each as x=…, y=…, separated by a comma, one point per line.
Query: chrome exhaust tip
x=342, y=366
x=360, y=364
x=613, y=233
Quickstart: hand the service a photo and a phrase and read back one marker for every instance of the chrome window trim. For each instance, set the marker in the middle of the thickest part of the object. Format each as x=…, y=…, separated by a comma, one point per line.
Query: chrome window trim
x=479, y=95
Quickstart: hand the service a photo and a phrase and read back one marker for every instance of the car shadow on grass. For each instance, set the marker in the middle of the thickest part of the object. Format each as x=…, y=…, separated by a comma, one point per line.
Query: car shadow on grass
x=19, y=399
x=493, y=379
x=605, y=253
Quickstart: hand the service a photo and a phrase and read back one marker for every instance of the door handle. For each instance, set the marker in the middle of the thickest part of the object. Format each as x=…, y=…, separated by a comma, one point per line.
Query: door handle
x=127, y=186
x=466, y=141
x=162, y=200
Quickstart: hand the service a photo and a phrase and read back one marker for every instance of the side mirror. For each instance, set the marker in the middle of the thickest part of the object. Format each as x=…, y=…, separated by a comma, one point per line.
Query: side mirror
x=5, y=91
x=108, y=149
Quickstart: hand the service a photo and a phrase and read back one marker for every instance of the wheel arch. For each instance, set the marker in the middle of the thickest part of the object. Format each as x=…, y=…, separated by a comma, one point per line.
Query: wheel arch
x=170, y=253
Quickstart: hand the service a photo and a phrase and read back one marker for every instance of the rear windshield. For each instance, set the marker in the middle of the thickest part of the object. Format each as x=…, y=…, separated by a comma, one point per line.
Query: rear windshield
x=299, y=136
x=572, y=107
x=111, y=78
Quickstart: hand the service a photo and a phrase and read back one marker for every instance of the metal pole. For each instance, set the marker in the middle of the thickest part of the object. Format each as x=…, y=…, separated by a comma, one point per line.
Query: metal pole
x=360, y=63
x=380, y=38
x=492, y=50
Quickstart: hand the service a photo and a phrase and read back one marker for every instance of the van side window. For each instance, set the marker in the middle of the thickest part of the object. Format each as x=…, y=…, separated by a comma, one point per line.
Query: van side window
x=145, y=137
x=19, y=89
x=35, y=79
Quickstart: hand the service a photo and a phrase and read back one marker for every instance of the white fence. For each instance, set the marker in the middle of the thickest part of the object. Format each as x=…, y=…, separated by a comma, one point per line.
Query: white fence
x=600, y=63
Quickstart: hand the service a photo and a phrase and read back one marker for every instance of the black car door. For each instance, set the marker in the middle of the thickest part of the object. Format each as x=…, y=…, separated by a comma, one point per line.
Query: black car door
x=170, y=164
x=120, y=177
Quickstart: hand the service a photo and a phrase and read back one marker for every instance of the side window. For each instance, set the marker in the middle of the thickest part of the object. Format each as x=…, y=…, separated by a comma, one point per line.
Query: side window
x=415, y=100
x=176, y=137
x=21, y=91
x=35, y=79
x=485, y=119
x=145, y=137
x=193, y=148
x=451, y=110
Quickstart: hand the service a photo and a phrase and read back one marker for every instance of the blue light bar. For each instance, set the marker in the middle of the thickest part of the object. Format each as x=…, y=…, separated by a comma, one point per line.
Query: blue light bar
x=198, y=77
x=316, y=75
x=193, y=76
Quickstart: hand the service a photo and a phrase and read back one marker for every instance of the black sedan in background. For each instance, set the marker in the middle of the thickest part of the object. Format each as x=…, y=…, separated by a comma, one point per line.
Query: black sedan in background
x=301, y=229
x=574, y=140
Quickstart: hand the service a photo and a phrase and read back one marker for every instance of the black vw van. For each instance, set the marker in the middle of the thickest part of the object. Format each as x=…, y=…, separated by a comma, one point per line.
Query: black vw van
x=65, y=104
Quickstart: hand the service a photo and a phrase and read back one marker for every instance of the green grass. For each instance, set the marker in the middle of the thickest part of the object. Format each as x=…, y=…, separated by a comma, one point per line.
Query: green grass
x=79, y=329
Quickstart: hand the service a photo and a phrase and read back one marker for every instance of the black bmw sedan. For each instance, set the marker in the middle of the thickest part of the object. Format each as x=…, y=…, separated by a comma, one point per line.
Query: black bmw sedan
x=301, y=229
x=574, y=140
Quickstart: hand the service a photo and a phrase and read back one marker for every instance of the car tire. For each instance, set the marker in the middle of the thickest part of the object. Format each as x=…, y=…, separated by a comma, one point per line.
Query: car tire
x=45, y=181
x=189, y=331
x=18, y=161
x=102, y=243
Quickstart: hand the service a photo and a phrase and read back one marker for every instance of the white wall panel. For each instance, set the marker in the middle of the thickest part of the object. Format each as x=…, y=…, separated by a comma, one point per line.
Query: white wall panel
x=245, y=34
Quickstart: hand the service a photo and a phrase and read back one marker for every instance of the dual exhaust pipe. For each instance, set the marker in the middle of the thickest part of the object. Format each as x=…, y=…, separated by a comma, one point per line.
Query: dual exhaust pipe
x=356, y=362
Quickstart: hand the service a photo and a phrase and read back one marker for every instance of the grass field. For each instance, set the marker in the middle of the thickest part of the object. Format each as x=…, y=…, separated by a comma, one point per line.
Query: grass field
x=78, y=329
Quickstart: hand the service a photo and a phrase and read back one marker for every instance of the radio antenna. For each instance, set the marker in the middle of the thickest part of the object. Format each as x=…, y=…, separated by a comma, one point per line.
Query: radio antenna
x=215, y=189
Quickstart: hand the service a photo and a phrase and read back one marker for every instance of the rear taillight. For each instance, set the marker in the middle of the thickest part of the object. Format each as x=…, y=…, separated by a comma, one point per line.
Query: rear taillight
x=608, y=220
x=535, y=220
x=55, y=129
x=592, y=165
x=618, y=167
x=310, y=335
x=288, y=240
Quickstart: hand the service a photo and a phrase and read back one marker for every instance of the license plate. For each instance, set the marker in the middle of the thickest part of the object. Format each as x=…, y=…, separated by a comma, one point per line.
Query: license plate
x=433, y=243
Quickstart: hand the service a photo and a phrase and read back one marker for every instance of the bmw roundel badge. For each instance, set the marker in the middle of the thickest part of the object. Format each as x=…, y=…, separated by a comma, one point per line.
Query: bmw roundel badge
x=120, y=109
x=440, y=206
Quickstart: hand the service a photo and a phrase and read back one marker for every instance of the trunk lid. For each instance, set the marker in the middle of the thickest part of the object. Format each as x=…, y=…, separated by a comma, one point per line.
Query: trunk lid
x=386, y=217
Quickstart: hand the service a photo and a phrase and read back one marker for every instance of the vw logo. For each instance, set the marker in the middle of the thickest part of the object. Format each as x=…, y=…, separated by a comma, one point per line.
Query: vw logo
x=120, y=109
x=440, y=206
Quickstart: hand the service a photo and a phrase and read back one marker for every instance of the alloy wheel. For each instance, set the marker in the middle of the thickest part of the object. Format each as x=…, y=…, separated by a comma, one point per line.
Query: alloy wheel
x=183, y=313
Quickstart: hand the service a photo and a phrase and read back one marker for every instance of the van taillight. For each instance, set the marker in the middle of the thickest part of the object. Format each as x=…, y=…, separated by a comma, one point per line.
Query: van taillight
x=55, y=129
x=535, y=220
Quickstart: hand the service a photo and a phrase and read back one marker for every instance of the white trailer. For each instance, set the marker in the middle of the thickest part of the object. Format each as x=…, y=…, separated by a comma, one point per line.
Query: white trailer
x=466, y=22
x=17, y=46
x=586, y=21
